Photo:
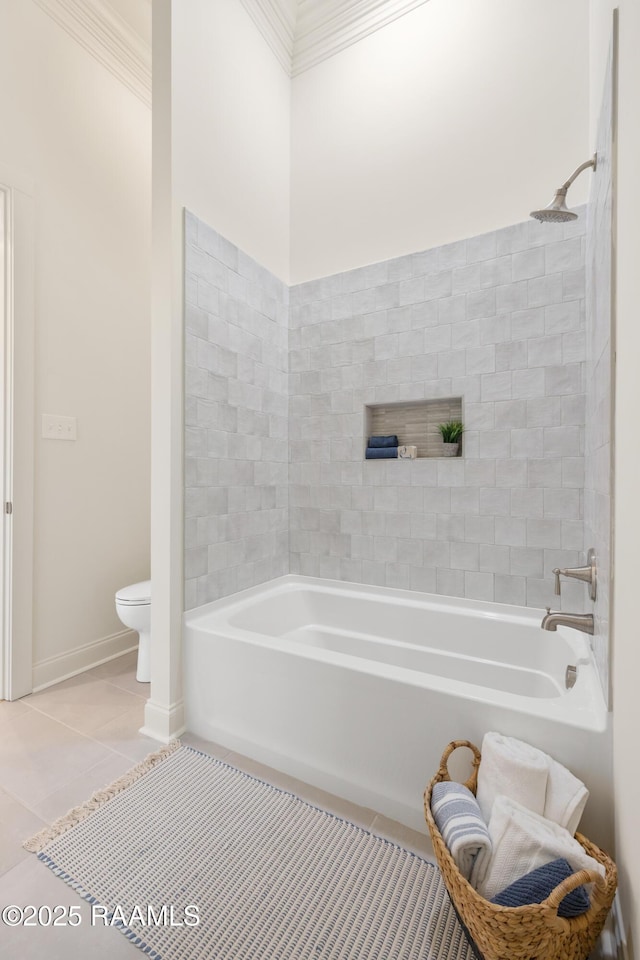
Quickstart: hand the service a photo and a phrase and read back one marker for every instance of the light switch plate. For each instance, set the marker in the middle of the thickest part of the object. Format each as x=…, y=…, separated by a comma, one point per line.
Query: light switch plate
x=58, y=428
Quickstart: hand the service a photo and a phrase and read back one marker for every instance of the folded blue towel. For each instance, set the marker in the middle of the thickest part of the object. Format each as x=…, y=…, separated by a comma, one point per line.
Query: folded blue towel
x=460, y=821
x=391, y=441
x=381, y=453
x=536, y=886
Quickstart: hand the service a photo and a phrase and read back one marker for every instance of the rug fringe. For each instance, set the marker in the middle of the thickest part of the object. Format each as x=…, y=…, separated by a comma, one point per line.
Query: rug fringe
x=39, y=841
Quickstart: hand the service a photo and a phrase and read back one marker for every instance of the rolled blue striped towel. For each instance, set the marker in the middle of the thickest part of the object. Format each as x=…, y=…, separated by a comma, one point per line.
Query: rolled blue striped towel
x=460, y=821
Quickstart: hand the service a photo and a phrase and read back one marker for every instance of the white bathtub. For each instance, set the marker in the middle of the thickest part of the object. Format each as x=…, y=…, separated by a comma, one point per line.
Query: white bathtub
x=357, y=689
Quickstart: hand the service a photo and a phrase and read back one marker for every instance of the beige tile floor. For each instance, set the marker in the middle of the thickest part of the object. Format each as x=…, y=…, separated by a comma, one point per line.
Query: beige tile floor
x=56, y=748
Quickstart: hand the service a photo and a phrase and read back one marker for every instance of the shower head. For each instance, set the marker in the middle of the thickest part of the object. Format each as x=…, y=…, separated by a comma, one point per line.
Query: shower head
x=556, y=211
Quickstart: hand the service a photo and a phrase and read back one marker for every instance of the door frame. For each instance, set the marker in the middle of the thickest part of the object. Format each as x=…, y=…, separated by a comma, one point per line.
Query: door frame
x=17, y=331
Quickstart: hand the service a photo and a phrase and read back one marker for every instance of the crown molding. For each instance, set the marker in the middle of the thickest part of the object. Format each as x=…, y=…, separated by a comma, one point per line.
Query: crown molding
x=325, y=28
x=276, y=21
x=305, y=33
x=106, y=36
x=300, y=34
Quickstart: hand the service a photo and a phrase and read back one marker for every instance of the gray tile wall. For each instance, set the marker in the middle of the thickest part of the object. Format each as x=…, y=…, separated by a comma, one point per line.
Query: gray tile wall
x=275, y=398
x=236, y=419
x=497, y=319
x=598, y=452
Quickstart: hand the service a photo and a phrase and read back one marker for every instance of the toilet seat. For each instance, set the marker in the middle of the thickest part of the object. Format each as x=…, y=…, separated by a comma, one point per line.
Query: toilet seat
x=137, y=594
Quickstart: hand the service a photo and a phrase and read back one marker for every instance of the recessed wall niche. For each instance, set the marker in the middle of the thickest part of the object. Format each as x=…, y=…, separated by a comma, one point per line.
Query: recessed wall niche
x=414, y=423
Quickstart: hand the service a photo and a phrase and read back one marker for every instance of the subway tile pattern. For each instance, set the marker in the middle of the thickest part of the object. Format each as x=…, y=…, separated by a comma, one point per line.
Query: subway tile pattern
x=498, y=320
x=598, y=451
x=236, y=419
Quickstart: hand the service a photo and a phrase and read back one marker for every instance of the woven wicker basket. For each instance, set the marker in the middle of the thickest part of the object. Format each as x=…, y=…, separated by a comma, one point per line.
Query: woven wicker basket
x=533, y=932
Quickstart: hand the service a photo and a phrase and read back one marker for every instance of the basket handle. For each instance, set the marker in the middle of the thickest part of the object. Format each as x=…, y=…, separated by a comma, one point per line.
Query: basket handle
x=443, y=771
x=557, y=895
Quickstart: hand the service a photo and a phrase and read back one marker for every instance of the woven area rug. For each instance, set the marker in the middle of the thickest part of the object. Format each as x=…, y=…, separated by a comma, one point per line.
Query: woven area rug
x=267, y=875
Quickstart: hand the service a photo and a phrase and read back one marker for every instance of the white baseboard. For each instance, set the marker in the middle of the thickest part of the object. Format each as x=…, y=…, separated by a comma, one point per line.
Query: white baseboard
x=622, y=947
x=163, y=723
x=72, y=662
x=612, y=943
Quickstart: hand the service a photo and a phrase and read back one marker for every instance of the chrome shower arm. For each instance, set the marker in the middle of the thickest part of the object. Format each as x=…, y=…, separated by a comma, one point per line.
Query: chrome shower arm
x=556, y=211
x=583, y=166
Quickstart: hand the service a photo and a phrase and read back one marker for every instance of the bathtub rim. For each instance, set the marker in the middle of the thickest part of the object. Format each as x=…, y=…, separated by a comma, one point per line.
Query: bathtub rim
x=486, y=608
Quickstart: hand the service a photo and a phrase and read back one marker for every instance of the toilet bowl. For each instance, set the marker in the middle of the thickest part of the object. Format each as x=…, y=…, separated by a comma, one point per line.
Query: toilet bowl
x=133, y=606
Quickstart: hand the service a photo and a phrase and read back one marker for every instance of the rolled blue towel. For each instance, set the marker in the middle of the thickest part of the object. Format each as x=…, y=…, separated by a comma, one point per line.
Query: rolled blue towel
x=381, y=453
x=536, y=886
x=460, y=821
x=391, y=441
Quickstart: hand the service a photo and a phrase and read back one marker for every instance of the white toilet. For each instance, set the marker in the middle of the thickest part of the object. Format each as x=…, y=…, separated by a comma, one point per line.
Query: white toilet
x=133, y=606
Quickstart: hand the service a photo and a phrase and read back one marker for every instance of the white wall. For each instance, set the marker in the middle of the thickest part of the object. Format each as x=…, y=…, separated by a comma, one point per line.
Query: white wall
x=456, y=119
x=220, y=149
x=626, y=521
x=600, y=21
x=626, y=652
x=84, y=140
x=163, y=712
x=230, y=118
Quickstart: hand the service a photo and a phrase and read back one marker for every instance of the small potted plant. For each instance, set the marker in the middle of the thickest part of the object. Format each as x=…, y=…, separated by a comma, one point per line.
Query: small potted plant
x=451, y=432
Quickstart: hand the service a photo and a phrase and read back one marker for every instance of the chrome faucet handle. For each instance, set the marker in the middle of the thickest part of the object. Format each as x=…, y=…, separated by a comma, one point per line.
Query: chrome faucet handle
x=592, y=562
x=588, y=574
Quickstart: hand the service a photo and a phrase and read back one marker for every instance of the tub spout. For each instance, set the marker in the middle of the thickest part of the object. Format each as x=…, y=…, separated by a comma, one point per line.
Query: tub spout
x=578, y=621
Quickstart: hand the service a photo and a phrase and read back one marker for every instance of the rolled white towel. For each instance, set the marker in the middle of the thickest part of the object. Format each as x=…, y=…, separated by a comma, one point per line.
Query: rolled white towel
x=517, y=770
x=512, y=768
x=458, y=818
x=566, y=797
x=522, y=841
